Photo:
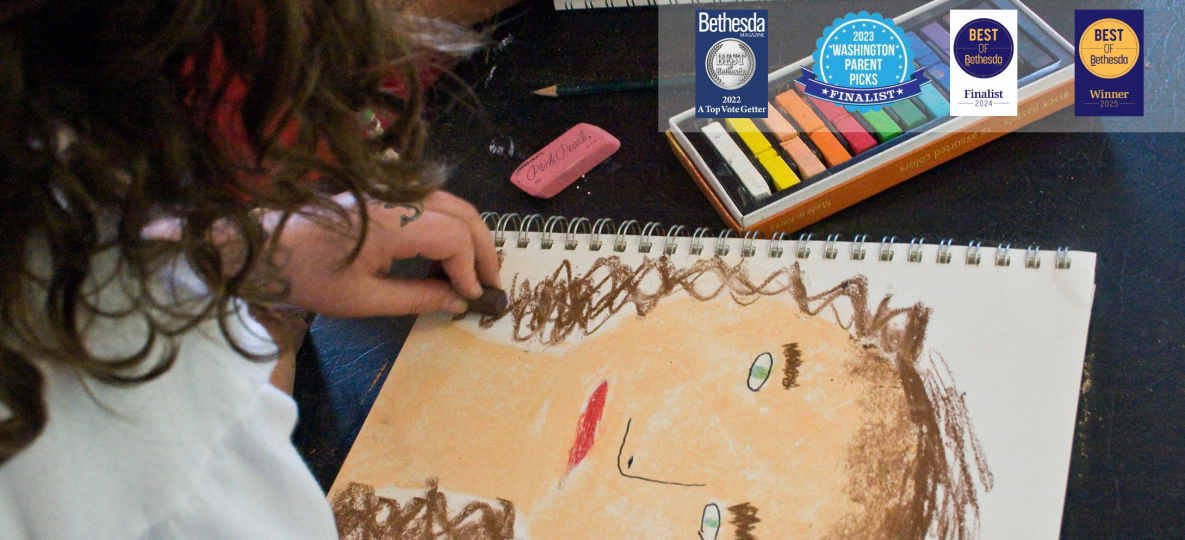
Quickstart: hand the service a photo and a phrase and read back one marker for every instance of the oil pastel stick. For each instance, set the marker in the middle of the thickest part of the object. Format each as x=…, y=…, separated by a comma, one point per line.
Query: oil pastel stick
x=781, y=173
x=749, y=176
x=833, y=152
x=799, y=111
x=808, y=163
x=778, y=125
x=857, y=137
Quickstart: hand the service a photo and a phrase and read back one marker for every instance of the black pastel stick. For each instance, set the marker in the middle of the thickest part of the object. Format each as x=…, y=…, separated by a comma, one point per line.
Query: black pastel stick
x=492, y=301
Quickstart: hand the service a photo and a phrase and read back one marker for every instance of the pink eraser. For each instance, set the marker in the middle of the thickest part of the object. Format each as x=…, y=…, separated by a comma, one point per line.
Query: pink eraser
x=567, y=158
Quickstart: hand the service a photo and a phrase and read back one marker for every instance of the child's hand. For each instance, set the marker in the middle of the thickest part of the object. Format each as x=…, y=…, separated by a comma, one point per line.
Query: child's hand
x=448, y=230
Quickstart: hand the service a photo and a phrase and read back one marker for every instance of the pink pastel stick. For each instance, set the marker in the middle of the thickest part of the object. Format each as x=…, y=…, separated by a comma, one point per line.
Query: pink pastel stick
x=777, y=124
x=564, y=160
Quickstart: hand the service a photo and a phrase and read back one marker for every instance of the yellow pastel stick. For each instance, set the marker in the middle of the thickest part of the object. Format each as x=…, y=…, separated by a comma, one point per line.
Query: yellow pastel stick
x=748, y=132
x=781, y=173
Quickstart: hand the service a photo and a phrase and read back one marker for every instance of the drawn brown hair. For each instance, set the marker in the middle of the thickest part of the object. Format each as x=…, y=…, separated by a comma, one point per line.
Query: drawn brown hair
x=363, y=515
x=933, y=490
x=110, y=117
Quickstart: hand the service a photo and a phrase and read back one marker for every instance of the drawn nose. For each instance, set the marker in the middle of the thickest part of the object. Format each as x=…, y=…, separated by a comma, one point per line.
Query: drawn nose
x=648, y=464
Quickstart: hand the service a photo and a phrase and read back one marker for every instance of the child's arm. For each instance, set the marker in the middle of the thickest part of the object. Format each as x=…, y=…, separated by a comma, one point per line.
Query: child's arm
x=448, y=230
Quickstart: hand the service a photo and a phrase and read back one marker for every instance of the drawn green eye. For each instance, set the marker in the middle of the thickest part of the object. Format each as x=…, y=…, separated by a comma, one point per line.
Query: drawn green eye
x=710, y=522
x=759, y=371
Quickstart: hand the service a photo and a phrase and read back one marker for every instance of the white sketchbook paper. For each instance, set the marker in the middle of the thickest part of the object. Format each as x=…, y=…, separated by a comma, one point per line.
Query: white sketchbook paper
x=643, y=395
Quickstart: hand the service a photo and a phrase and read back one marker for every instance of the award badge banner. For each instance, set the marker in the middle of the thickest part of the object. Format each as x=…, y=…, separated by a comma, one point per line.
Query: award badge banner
x=863, y=63
x=732, y=50
x=1108, y=77
x=983, y=62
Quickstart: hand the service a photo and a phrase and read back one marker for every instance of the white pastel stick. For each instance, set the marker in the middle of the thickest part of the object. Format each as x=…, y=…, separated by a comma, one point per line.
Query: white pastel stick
x=736, y=159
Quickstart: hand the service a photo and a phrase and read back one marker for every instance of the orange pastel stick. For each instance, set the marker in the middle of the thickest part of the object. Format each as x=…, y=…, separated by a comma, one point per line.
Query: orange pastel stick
x=799, y=111
x=833, y=152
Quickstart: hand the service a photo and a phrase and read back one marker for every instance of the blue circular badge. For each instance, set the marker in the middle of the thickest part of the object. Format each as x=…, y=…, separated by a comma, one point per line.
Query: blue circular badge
x=983, y=48
x=863, y=51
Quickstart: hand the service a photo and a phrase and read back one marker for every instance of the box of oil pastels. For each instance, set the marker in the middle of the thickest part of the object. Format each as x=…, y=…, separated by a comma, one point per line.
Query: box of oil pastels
x=838, y=158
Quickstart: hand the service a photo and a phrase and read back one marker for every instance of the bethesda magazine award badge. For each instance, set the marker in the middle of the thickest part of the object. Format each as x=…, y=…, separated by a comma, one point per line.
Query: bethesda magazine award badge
x=983, y=70
x=862, y=63
x=1108, y=78
x=730, y=80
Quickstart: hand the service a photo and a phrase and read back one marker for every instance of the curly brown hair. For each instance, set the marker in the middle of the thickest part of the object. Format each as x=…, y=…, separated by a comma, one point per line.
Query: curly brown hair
x=113, y=112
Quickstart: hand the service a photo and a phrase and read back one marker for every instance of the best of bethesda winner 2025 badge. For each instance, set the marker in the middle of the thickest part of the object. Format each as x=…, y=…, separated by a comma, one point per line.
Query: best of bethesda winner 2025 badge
x=1108, y=75
x=732, y=50
x=863, y=63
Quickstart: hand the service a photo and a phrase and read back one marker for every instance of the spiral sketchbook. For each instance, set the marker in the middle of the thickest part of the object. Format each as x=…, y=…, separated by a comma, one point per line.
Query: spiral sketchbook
x=595, y=4
x=647, y=382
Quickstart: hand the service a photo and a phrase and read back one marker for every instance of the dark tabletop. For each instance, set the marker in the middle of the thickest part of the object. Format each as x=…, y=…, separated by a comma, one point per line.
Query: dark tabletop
x=1120, y=195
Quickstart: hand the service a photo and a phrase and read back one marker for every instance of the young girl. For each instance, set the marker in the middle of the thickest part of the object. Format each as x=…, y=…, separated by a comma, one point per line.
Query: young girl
x=161, y=164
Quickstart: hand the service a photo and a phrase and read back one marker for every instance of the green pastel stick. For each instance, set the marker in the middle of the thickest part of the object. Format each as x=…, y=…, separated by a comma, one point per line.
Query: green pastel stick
x=909, y=114
x=883, y=127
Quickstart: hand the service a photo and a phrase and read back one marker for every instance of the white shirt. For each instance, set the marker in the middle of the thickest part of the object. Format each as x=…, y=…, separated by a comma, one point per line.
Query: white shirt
x=203, y=451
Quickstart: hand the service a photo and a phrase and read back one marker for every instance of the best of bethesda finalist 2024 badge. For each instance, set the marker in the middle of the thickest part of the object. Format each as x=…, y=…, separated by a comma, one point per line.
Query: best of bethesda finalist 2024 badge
x=1108, y=70
x=732, y=68
x=983, y=62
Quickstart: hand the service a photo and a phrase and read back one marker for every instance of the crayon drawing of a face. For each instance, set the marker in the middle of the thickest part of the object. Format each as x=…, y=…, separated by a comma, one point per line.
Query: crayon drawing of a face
x=709, y=418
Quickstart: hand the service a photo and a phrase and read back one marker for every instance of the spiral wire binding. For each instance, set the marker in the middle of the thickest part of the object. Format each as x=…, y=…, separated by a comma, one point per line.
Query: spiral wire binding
x=546, y=242
x=524, y=239
x=594, y=242
x=1031, y=258
x=1061, y=260
x=887, y=248
x=944, y=251
x=672, y=245
x=570, y=241
x=644, y=245
x=775, y=245
x=915, y=250
x=697, y=240
x=619, y=240
x=748, y=245
x=500, y=224
x=829, y=249
x=973, y=253
x=721, y=243
x=1002, y=256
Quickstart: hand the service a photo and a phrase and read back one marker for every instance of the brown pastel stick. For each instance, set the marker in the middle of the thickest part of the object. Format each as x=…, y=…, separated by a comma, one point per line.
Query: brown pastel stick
x=491, y=302
x=799, y=111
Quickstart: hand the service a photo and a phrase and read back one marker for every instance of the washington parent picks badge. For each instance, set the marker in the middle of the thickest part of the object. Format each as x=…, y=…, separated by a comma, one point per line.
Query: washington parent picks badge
x=863, y=63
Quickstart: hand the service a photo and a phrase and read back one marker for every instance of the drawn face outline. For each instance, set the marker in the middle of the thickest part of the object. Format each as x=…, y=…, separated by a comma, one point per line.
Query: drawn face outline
x=616, y=360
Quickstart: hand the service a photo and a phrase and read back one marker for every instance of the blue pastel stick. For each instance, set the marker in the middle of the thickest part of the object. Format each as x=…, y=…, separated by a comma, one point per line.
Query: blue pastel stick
x=1032, y=53
x=938, y=36
x=919, y=47
x=928, y=60
x=935, y=104
x=940, y=74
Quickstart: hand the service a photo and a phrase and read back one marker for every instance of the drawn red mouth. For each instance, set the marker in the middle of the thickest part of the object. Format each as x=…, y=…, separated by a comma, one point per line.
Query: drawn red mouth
x=586, y=426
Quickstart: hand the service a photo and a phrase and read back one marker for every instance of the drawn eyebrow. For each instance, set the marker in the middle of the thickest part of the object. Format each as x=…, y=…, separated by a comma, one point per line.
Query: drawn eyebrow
x=744, y=517
x=793, y=361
